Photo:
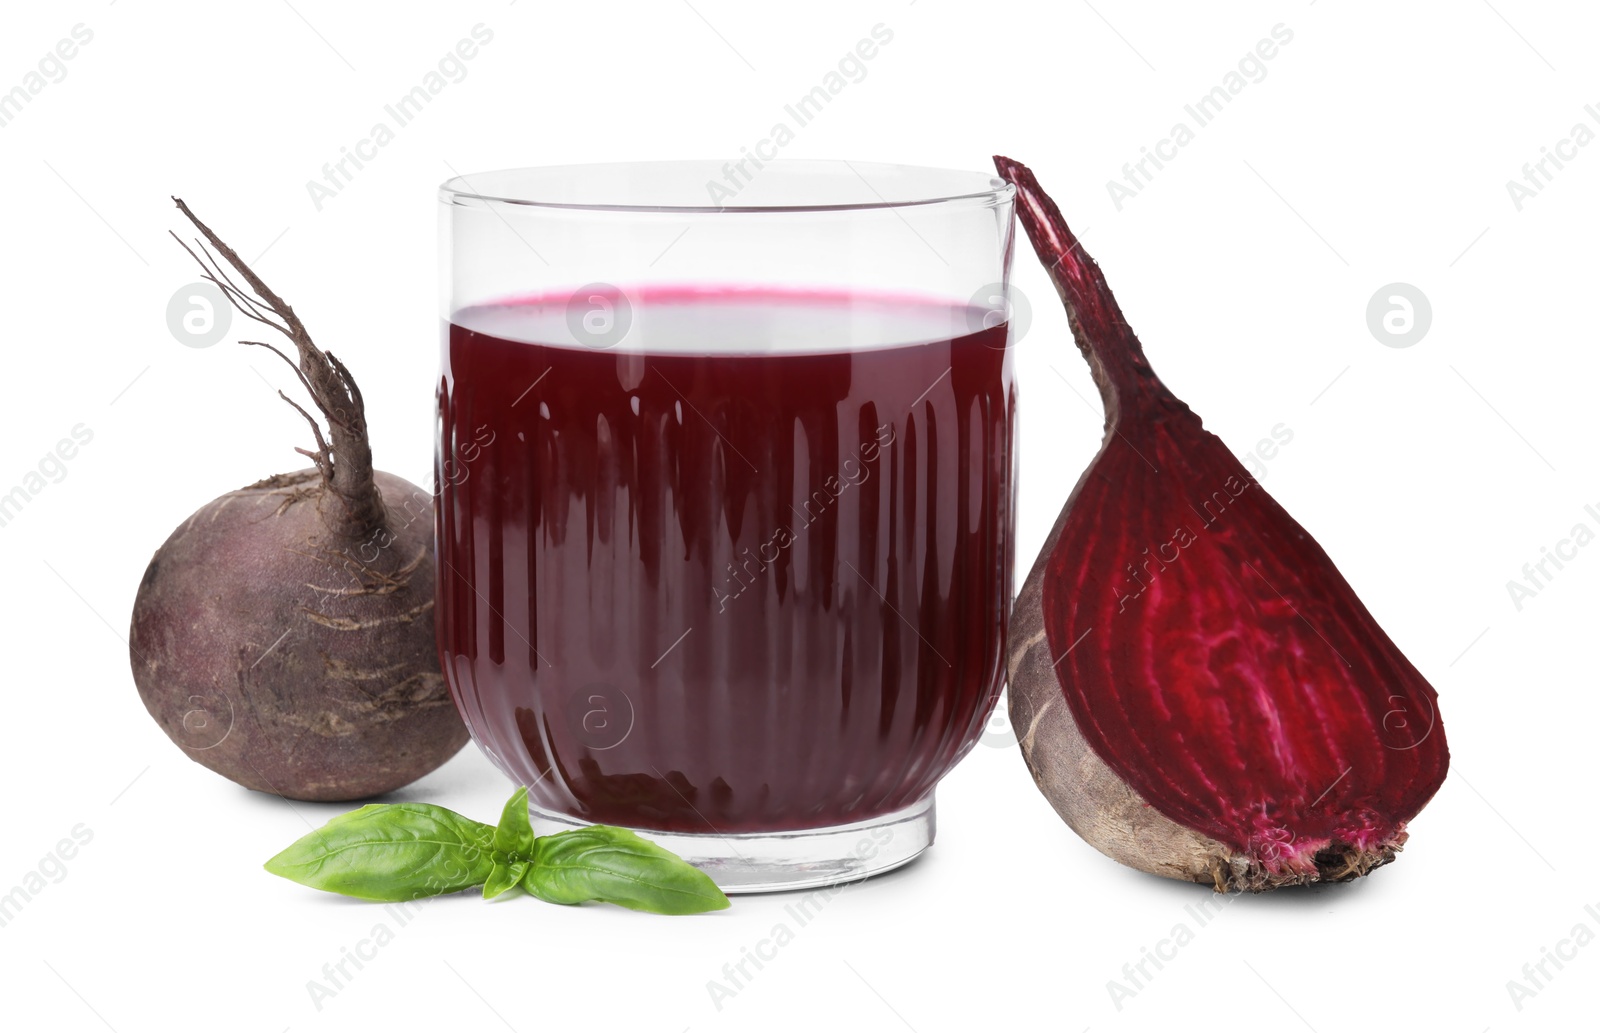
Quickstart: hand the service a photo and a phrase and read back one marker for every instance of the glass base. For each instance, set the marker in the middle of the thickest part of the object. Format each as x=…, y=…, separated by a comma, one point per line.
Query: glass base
x=766, y=862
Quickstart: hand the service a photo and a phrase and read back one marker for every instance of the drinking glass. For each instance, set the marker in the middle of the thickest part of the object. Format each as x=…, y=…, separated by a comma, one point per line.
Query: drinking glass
x=725, y=479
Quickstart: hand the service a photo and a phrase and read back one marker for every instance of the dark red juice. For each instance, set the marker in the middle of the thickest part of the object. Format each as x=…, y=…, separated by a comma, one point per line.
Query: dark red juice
x=748, y=570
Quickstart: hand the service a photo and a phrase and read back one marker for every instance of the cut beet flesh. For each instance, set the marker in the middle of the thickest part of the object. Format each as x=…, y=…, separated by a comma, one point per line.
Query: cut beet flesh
x=1215, y=666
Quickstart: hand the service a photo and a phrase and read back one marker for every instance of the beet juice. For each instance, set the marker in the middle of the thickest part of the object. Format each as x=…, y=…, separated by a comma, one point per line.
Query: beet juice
x=746, y=569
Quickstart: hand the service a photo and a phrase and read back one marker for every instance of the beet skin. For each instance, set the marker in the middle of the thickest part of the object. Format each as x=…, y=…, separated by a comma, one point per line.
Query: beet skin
x=291, y=661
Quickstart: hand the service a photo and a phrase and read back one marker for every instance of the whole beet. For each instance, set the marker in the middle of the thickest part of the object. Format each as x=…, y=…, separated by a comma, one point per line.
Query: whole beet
x=283, y=635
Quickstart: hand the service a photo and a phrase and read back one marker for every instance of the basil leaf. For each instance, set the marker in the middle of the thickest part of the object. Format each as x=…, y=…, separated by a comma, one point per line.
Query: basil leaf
x=601, y=862
x=513, y=846
x=505, y=877
x=514, y=836
x=391, y=852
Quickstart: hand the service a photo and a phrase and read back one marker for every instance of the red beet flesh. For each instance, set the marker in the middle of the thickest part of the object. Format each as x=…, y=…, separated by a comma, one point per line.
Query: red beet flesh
x=1208, y=650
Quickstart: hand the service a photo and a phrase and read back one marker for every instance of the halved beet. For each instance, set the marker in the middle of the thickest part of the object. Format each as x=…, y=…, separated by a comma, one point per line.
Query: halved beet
x=1197, y=689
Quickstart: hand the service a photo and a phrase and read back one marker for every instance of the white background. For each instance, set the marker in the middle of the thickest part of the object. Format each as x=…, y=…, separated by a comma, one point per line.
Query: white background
x=1375, y=150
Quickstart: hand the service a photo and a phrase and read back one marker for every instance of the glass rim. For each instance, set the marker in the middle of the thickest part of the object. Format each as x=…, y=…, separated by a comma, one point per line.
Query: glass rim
x=958, y=186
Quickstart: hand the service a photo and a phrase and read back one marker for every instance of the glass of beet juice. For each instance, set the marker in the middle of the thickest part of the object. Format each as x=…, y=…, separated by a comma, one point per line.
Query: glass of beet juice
x=725, y=480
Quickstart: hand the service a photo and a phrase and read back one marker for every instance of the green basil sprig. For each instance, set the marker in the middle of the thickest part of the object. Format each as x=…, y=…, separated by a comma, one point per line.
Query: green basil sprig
x=398, y=852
